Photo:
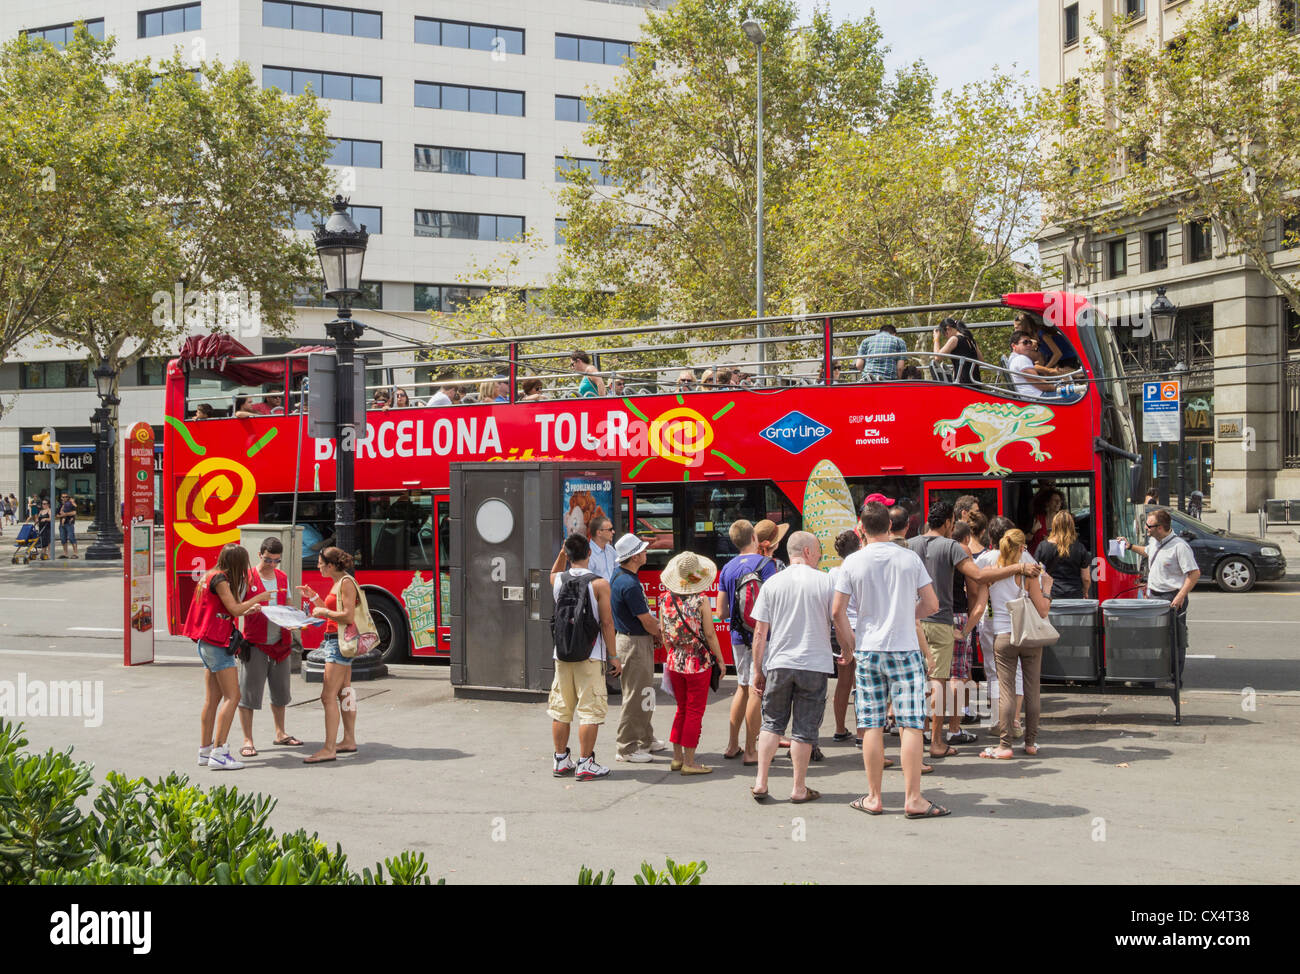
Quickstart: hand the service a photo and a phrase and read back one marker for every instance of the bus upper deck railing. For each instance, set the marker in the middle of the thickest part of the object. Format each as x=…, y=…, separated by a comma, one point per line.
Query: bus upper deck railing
x=800, y=370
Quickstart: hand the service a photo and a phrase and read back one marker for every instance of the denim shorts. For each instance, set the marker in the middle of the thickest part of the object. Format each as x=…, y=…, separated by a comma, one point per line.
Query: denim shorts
x=68, y=533
x=331, y=648
x=215, y=658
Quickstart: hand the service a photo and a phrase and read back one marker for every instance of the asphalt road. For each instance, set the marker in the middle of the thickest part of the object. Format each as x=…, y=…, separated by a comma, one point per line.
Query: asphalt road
x=1118, y=794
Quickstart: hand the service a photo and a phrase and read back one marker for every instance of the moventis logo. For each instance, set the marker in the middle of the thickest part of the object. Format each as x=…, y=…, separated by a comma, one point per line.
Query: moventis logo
x=794, y=432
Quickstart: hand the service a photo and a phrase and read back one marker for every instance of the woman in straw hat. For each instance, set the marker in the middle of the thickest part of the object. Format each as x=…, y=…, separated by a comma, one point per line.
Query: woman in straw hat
x=692, y=647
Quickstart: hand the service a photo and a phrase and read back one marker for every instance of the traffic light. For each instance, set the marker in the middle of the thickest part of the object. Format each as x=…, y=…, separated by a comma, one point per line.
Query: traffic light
x=47, y=451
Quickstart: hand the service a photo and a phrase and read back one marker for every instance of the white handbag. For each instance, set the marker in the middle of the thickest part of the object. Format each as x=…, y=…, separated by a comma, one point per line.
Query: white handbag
x=1029, y=630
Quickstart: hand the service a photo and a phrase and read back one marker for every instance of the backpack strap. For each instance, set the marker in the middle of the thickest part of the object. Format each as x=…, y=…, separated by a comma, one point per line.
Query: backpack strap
x=698, y=634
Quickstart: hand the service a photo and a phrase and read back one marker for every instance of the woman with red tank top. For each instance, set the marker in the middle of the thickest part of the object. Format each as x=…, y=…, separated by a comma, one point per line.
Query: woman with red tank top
x=336, y=694
x=210, y=623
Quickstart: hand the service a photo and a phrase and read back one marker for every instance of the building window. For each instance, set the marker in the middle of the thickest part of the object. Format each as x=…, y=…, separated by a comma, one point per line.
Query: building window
x=61, y=35
x=1071, y=25
x=596, y=167
x=1290, y=232
x=468, y=226
x=1117, y=251
x=1157, y=250
x=1200, y=241
x=151, y=371
x=1135, y=8
x=54, y=375
x=461, y=98
x=445, y=297
x=469, y=162
x=311, y=294
x=474, y=37
x=593, y=50
x=371, y=216
x=1288, y=15
x=1292, y=327
x=326, y=84
x=570, y=109
x=170, y=20
x=1198, y=325
x=322, y=20
x=357, y=152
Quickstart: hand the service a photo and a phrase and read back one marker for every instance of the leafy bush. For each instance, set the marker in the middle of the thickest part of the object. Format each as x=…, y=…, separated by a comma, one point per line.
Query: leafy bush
x=687, y=874
x=157, y=832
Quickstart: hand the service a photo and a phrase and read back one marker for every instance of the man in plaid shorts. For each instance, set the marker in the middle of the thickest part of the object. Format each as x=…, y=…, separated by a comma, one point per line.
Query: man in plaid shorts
x=892, y=590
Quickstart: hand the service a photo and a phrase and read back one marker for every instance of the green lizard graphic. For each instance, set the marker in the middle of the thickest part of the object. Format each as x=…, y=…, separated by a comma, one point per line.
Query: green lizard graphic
x=997, y=424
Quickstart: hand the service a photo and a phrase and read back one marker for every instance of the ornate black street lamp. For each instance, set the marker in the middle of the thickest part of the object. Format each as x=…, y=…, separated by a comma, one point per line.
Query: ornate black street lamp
x=1164, y=316
x=108, y=536
x=341, y=247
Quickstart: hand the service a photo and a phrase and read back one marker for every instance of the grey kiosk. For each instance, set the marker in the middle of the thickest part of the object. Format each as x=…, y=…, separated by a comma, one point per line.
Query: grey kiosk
x=508, y=520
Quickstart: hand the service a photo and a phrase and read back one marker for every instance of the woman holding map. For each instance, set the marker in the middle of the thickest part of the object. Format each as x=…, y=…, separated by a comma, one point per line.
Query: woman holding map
x=270, y=659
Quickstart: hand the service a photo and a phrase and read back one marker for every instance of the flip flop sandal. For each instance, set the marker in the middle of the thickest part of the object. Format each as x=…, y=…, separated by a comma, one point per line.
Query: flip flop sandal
x=817, y=755
x=813, y=795
x=950, y=753
x=247, y=751
x=749, y=764
x=318, y=760
x=934, y=811
x=989, y=752
x=759, y=796
x=345, y=750
x=841, y=738
x=861, y=807
x=732, y=757
x=289, y=741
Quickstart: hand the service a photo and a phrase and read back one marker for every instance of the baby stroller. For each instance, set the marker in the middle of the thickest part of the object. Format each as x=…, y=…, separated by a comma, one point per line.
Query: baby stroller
x=25, y=545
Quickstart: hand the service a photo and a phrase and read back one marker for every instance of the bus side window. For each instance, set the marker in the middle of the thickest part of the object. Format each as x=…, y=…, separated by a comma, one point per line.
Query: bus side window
x=655, y=522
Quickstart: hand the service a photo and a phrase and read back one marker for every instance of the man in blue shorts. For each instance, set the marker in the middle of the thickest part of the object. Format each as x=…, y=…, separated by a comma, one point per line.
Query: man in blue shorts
x=892, y=591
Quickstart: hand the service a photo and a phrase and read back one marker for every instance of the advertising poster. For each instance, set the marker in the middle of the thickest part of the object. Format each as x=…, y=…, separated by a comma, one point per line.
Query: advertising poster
x=139, y=595
x=586, y=497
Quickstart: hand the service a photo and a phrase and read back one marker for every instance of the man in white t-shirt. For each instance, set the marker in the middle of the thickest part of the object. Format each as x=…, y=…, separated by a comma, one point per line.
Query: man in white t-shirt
x=792, y=661
x=893, y=591
x=579, y=688
x=1024, y=374
x=1171, y=571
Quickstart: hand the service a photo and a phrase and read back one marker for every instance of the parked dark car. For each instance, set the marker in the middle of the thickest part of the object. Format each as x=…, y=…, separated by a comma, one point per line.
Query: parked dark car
x=1234, y=562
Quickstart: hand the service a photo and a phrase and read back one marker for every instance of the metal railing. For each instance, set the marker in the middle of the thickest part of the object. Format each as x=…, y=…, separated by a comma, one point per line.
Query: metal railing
x=1291, y=414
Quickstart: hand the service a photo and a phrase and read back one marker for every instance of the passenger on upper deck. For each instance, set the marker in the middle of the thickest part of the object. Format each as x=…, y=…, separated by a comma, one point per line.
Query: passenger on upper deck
x=448, y=391
x=203, y=411
x=381, y=399
x=617, y=387
x=592, y=385
x=246, y=408
x=1024, y=374
x=686, y=381
x=1055, y=349
x=531, y=389
x=953, y=338
x=890, y=347
x=401, y=400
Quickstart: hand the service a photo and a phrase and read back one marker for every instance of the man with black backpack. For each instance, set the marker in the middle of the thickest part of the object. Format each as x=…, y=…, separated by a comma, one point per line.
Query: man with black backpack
x=581, y=629
x=739, y=583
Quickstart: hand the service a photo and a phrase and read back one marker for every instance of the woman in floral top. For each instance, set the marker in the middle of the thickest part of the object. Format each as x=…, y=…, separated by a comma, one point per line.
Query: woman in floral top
x=692, y=647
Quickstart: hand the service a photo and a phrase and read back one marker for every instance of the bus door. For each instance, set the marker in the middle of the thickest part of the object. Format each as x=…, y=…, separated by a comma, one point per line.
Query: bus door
x=987, y=492
x=442, y=572
x=624, y=522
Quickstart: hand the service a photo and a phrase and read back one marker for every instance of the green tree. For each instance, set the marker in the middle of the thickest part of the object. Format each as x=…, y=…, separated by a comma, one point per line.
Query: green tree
x=675, y=233
x=179, y=188
x=1209, y=123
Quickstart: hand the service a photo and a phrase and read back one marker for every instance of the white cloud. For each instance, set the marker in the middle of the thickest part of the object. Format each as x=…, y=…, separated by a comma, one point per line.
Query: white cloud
x=959, y=40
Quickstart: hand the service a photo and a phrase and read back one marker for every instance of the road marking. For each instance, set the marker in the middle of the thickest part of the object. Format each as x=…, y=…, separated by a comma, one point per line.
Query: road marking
x=1199, y=656
x=73, y=655
x=6, y=598
x=92, y=629
x=1253, y=622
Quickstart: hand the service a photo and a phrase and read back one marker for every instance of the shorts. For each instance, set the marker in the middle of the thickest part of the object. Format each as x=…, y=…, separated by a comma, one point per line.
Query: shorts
x=797, y=694
x=331, y=648
x=963, y=652
x=939, y=636
x=68, y=533
x=743, y=657
x=256, y=673
x=215, y=658
x=881, y=677
x=578, y=689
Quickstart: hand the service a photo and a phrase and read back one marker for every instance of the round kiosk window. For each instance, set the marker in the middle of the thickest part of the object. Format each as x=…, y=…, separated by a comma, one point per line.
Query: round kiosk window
x=494, y=520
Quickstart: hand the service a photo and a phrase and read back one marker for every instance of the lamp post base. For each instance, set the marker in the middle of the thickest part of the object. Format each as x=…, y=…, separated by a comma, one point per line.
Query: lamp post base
x=103, y=552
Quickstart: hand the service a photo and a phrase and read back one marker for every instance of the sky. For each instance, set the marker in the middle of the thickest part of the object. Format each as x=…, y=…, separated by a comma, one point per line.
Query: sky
x=959, y=40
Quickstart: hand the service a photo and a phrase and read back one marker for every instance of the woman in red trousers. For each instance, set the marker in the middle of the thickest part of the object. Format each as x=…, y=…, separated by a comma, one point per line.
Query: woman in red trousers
x=692, y=647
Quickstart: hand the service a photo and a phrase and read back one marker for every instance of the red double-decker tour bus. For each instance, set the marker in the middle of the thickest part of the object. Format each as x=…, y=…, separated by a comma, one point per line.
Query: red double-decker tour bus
x=801, y=440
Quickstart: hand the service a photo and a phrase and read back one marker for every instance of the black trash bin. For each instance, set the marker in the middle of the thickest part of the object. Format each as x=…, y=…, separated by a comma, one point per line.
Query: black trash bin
x=1139, y=639
x=1075, y=655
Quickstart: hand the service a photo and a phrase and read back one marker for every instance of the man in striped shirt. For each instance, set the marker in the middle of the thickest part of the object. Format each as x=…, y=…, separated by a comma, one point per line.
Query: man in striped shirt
x=890, y=347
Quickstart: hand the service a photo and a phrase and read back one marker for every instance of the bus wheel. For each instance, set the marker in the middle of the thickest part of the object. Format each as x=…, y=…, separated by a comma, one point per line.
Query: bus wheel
x=390, y=622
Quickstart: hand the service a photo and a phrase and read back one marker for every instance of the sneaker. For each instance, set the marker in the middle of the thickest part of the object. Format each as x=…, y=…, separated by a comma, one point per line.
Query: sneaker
x=636, y=757
x=857, y=741
x=589, y=769
x=841, y=738
x=657, y=745
x=969, y=718
x=563, y=765
x=961, y=737
x=220, y=760
x=204, y=754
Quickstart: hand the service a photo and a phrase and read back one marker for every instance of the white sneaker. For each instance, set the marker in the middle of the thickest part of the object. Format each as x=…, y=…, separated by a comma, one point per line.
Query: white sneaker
x=589, y=769
x=657, y=745
x=637, y=757
x=204, y=752
x=564, y=764
x=220, y=760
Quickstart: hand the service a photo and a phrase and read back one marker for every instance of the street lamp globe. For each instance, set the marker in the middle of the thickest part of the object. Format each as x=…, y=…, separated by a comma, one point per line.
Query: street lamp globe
x=754, y=31
x=1163, y=313
x=341, y=247
x=104, y=380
